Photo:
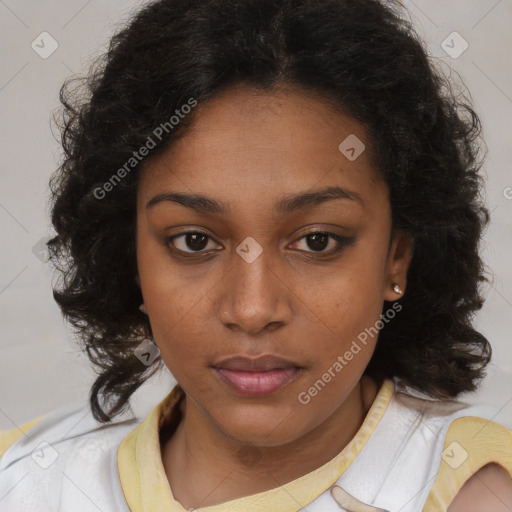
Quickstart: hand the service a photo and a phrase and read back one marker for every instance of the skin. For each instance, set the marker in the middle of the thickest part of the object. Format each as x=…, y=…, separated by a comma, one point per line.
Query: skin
x=250, y=148
x=489, y=490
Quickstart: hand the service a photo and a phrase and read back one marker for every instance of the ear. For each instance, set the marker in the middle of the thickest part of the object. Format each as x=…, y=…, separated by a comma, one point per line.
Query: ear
x=142, y=307
x=399, y=258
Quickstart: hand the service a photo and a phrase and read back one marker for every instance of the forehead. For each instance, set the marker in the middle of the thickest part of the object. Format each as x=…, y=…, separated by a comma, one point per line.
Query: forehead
x=247, y=145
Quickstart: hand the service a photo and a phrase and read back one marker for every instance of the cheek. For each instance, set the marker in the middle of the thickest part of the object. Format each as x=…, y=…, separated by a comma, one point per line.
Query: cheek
x=345, y=307
x=350, y=289
x=183, y=351
x=175, y=323
x=167, y=293
x=169, y=301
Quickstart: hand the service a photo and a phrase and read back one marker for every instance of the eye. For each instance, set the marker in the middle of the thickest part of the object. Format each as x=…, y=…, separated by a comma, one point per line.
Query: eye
x=196, y=241
x=318, y=241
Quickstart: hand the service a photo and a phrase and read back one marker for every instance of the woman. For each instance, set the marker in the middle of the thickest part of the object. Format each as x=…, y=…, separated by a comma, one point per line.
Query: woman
x=279, y=201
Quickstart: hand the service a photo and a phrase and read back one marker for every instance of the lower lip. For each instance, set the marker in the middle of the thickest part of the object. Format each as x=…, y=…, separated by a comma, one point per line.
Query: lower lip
x=257, y=383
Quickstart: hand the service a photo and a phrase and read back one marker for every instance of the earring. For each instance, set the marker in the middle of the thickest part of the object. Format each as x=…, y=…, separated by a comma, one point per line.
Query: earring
x=142, y=307
x=396, y=288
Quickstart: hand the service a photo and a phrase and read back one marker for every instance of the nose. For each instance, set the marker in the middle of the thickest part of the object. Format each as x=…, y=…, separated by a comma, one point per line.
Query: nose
x=254, y=297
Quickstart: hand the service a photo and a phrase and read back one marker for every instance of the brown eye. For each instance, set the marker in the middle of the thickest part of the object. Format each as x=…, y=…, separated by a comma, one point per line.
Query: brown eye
x=318, y=241
x=191, y=242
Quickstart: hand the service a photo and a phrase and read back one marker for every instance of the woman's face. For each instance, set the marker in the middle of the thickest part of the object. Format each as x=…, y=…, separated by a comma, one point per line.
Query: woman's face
x=255, y=280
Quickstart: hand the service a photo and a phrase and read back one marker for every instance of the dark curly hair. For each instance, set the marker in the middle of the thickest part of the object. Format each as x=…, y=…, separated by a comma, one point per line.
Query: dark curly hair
x=366, y=59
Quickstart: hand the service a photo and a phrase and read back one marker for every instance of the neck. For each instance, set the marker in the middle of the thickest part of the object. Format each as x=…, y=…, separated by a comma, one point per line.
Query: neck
x=206, y=467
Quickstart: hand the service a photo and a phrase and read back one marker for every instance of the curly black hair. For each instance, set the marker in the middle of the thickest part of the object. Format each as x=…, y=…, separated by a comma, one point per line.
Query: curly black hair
x=364, y=57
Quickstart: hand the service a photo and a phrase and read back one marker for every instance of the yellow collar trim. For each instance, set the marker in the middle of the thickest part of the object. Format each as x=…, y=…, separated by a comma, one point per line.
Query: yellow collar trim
x=146, y=487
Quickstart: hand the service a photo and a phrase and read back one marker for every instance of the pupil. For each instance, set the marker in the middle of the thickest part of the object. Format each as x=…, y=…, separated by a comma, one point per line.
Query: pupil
x=193, y=242
x=197, y=241
x=317, y=244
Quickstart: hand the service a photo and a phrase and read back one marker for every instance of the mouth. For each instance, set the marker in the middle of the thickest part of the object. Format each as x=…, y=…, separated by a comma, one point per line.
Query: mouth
x=260, y=376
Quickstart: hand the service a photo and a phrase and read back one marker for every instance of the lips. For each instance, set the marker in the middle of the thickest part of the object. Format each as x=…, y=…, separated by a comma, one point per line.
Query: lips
x=258, y=364
x=259, y=376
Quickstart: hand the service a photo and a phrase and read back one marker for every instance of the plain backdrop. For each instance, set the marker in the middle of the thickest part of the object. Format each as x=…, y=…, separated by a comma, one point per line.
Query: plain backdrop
x=41, y=366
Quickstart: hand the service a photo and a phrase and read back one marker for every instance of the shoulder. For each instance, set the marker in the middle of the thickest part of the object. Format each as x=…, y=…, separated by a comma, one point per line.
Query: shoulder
x=64, y=457
x=65, y=426
x=66, y=423
x=488, y=490
x=463, y=449
x=9, y=437
x=20, y=440
x=475, y=470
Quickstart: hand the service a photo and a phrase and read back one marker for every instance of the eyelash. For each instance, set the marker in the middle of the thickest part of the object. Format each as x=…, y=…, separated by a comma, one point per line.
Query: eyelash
x=341, y=240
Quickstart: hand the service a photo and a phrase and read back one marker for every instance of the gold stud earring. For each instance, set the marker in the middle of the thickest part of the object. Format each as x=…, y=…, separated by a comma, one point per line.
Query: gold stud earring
x=397, y=288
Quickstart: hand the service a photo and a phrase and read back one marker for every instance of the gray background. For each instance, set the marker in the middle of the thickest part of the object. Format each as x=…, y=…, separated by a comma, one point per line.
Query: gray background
x=41, y=366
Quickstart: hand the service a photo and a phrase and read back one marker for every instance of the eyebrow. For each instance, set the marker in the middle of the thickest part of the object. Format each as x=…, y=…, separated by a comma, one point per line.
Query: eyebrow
x=286, y=205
